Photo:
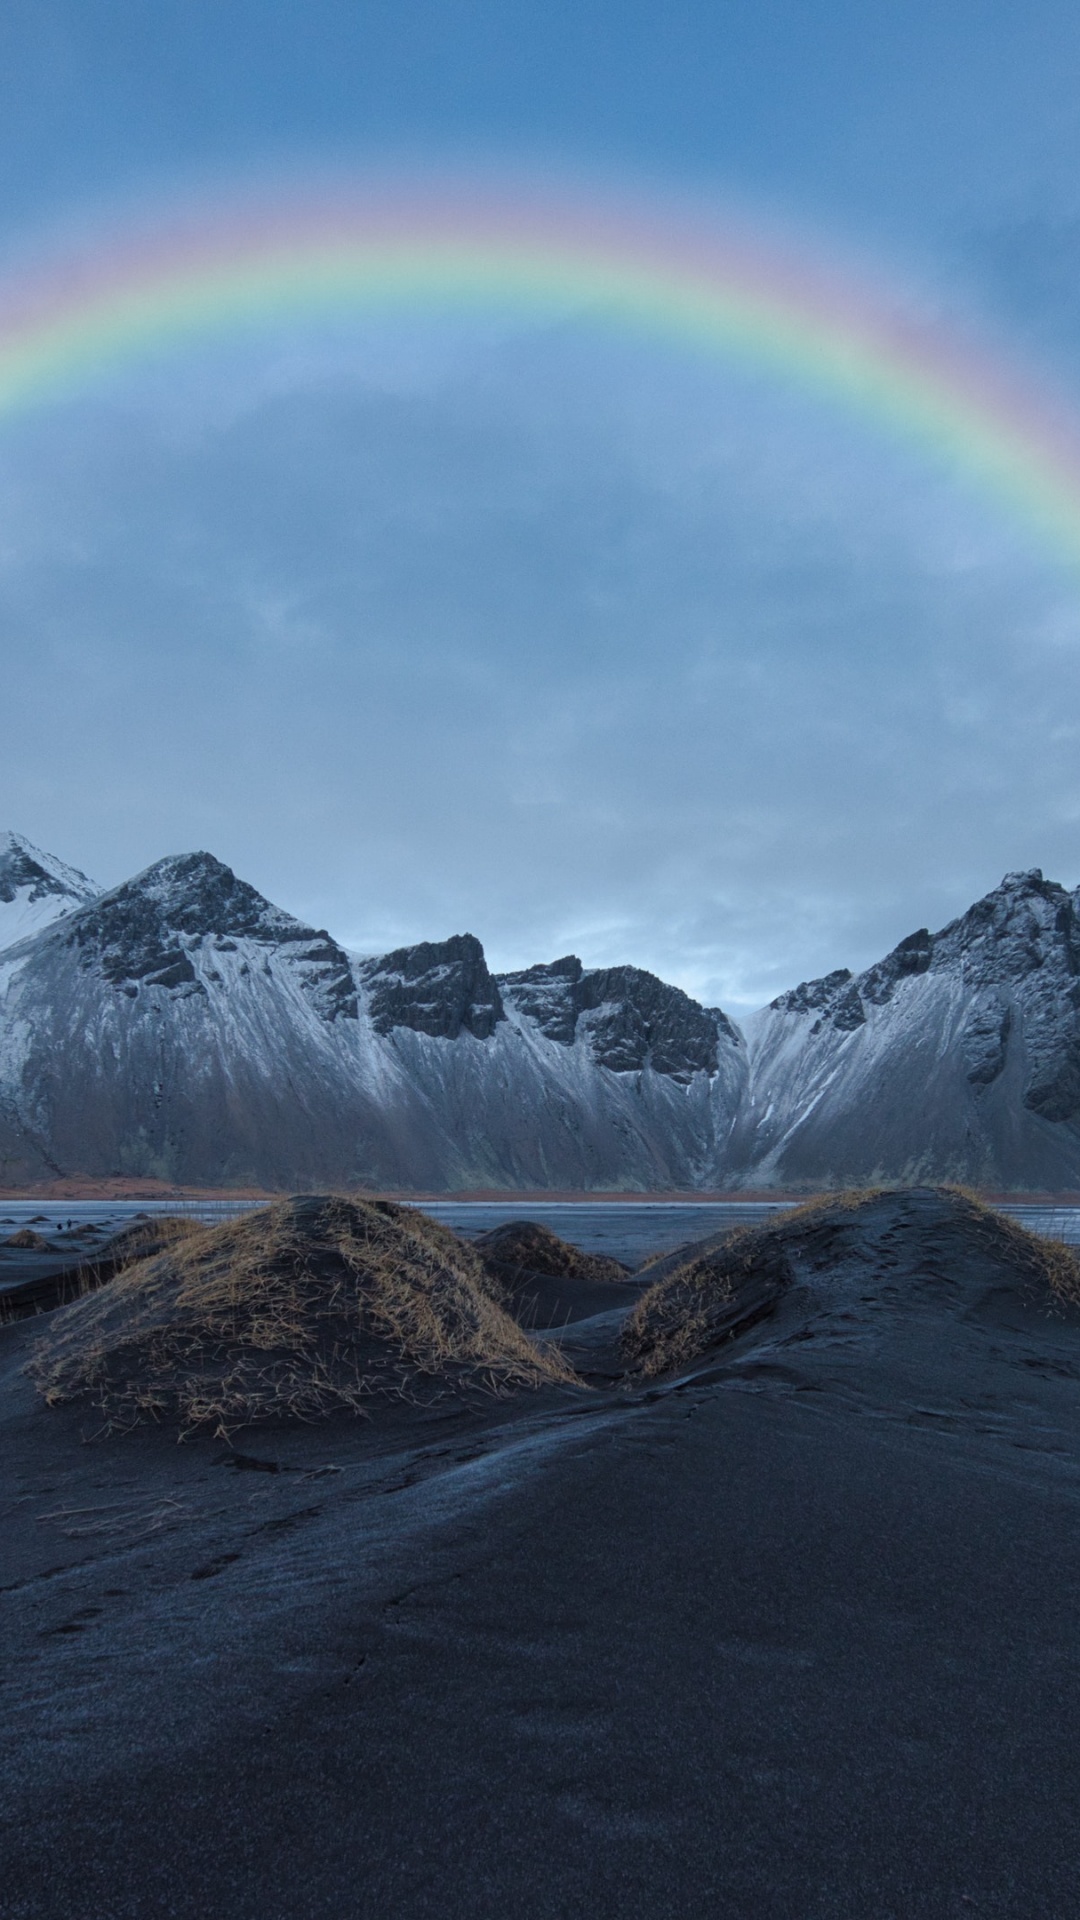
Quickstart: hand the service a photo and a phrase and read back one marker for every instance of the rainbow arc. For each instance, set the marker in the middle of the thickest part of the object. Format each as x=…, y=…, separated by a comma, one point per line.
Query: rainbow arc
x=471, y=252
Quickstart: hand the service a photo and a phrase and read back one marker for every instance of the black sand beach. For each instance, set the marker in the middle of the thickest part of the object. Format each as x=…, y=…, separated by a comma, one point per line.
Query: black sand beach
x=792, y=1636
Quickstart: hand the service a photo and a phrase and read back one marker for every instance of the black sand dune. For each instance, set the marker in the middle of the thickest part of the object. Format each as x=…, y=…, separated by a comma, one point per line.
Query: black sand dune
x=789, y=1631
x=549, y=1284
x=877, y=1258
x=524, y=1247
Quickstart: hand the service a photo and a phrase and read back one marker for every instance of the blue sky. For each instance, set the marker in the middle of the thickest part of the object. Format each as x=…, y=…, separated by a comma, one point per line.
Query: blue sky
x=575, y=643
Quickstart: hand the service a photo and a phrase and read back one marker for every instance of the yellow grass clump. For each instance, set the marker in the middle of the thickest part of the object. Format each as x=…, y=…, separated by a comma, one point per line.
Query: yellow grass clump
x=147, y=1236
x=1047, y=1263
x=293, y=1311
x=704, y=1301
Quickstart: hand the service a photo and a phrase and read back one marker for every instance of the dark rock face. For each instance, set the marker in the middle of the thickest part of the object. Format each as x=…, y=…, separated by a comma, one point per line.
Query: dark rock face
x=984, y=1039
x=634, y=1020
x=144, y=933
x=638, y=1020
x=548, y=994
x=913, y=955
x=19, y=870
x=442, y=988
x=811, y=996
x=1023, y=940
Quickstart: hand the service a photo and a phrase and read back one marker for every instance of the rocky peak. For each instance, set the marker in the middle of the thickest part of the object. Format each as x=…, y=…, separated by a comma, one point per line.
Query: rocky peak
x=1017, y=953
x=638, y=1020
x=810, y=996
x=438, y=987
x=1026, y=923
x=148, y=932
x=196, y=894
x=633, y=1019
x=35, y=888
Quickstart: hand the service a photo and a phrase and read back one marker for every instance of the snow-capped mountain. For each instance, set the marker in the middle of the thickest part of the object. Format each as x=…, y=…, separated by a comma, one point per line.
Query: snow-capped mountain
x=955, y=1057
x=35, y=889
x=183, y=1027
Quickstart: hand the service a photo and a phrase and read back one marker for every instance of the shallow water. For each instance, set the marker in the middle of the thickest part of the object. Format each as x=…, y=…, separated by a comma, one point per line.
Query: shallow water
x=629, y=1231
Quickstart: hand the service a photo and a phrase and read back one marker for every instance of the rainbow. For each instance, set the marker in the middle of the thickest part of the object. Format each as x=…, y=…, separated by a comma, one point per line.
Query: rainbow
x=367, y=251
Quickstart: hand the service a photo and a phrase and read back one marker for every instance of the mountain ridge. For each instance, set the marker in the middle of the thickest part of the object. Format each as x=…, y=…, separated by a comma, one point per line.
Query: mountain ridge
x=182, y=1027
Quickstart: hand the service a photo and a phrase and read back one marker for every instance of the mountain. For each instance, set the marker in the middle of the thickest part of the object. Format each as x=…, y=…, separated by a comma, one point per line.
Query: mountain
x=955, y=1057
x=35, y=889
x=183, y=1027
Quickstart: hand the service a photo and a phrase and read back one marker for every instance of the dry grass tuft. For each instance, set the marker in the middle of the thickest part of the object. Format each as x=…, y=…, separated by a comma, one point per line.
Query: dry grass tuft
x=147, y=1236
x=847, y=1200
x=1043, y=1262
x=704, y=1301
x=293, y=1311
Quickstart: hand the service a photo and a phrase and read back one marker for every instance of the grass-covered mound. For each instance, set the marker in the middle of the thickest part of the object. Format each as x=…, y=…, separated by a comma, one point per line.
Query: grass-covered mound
x=295, y=1310
x=523, y=1247
x=26, y=1239
x=718, y=1290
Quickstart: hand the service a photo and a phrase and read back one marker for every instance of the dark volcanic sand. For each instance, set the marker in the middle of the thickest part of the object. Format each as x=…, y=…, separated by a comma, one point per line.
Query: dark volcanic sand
x=795, y=1638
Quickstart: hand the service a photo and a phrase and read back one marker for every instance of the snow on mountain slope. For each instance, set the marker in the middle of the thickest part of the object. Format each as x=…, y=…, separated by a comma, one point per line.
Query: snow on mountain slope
x=182, y=1026
x=35, y=889
x=955, y=1057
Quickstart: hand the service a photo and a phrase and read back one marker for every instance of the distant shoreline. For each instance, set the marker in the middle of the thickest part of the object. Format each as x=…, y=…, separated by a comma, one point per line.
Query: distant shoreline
x=75, y=1188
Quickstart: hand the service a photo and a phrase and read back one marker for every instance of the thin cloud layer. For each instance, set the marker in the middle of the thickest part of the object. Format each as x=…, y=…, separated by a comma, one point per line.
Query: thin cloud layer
x=573, y=646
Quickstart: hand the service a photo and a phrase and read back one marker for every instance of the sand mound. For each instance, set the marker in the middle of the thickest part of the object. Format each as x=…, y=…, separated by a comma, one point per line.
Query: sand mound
x=293, y=1311
x=27, y=1239
x=523, y=1247
x=717, y=1290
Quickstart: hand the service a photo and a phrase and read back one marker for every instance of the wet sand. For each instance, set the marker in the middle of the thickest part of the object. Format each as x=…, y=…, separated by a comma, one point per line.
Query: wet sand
x=792, y=1637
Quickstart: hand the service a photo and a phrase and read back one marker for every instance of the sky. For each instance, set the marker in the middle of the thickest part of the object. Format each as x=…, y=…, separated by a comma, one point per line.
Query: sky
x=576, y=641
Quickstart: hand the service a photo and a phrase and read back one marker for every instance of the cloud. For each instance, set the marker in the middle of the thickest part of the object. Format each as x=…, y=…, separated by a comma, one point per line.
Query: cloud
x=574, y=645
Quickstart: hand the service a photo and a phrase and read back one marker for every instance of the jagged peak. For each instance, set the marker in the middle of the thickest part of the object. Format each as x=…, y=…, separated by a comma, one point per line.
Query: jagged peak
x=437, y=987
x=812, y=995
x=568, y=968
x=634, y=1019
x=1010, y=932
x=22, y=864
x=195, y=894
x=427, y=955
x=36, y=890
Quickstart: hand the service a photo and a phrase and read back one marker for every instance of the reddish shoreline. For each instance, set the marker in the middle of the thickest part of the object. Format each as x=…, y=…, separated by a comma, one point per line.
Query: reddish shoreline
x=73, y=1187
